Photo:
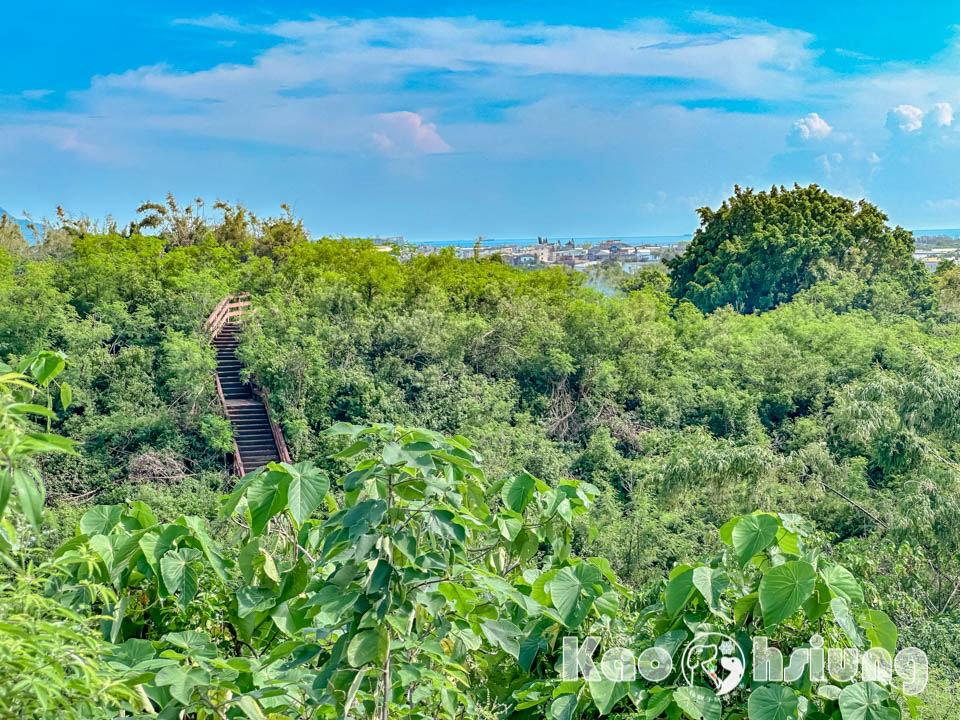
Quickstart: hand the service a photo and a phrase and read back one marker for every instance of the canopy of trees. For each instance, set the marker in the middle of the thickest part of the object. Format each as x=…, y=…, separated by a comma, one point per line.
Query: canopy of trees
x=585, y=455
x=758, y=250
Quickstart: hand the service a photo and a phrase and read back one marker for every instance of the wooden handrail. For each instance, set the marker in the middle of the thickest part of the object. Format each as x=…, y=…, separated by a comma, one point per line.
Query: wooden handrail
x=232, y=306
x=235, y=306
x=274, y=428
x=237, y=461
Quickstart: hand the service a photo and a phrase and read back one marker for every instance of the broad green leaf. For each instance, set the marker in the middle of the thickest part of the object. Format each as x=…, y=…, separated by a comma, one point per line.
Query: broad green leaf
x=29, y=497
x=818, y=603
x=744, y=607
x=698, y=703
x=155, y=545
x=142, y=513
x=254, y=599
x=250, y=708
x=47, y=442
x=47, y=367
x=290, y=617
x=842, y=583
x=181, y=682
x=711, y=582
x=351, y=450
x=659, y=701
x=864, y=701
x=100, y=519
x=266, y=497
x=463, y=598
x=366, y=646
x=517, y=492
x=117, y=551
x=509, y=527
x=133, y=651
x=538, y=591
x=784, y=588
x=216, y=559
x=572, y=592
x=119, y=613
x=844, y=618
x=772, y=702
x=196, y=642
x=503, y=634
x=726, y=530
x=606, y=693
x=31, y=409
x=308, y=486
x=66, y=395
x=180, y=574
x=880, y=630
x=753, y=534
x=563, y=707
x=678, y=592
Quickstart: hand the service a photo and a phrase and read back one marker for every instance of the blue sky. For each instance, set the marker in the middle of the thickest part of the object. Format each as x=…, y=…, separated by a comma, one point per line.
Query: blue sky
x=452, y=119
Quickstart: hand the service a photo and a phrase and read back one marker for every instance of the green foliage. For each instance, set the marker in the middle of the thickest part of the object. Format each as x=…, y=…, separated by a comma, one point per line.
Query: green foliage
x=836, y=399
x=53, y=661
x=418, y=581
x=760, y=249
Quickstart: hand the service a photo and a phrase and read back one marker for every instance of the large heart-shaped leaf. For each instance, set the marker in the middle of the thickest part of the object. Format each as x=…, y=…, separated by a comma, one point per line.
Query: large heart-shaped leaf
x=772, y=702
x=754, y=534
x=180, y=573
x=864, y=701
x=842, y=583
x=181, y=681
x=504, y=634
x=308, y=486
x=572, y=592
x=698, y=703
x=100, y=519
x=266, y=496
x=518, y=491
x=784, y=588
x=563, y=707
x=711, y=582
x=606, y=693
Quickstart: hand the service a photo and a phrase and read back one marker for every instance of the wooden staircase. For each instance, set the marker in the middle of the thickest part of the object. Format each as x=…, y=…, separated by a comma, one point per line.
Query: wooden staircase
x=256, y=438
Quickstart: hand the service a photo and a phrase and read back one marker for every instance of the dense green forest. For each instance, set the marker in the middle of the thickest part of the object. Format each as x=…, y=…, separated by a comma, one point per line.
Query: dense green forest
x=486, y=459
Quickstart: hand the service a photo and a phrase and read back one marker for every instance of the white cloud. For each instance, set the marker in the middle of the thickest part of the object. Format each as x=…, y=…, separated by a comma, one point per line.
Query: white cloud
x=36, y=94
x=830, y=162
x=216, y=21
x=943, y=114
x=404, y=133
x=908, y=118
x=812, y=127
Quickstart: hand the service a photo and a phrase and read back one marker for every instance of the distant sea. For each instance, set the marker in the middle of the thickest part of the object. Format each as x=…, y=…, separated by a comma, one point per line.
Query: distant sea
x=499, y=242
x=946, y=232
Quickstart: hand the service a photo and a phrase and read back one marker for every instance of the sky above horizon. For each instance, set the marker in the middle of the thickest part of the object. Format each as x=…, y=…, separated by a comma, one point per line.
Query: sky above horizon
x=448, y=120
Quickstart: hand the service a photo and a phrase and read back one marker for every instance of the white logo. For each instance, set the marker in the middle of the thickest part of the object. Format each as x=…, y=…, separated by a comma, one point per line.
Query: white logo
x=717, y=657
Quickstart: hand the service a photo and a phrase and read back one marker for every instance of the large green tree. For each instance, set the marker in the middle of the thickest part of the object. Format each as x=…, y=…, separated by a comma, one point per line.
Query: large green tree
x=758, y=249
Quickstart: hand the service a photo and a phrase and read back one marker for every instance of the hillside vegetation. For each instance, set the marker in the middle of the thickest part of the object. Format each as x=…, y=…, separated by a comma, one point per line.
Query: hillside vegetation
x=487, y=459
